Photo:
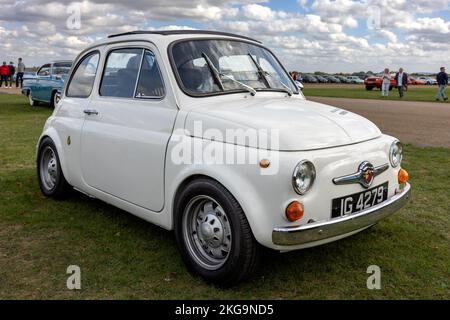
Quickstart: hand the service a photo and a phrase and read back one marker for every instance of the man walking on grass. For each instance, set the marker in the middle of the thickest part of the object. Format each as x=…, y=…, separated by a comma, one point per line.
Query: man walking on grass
x=442, y=80
x=20, y=72
x=402, y=82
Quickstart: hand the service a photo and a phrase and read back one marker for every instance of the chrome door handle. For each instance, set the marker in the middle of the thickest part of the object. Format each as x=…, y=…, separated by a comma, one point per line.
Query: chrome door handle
x=90, y=112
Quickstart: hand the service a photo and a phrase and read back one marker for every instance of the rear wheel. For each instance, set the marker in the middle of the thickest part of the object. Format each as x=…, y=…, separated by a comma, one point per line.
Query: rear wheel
x=54, y=100
x=51, y=178
x=213, y=234
x=369, y=88
x=31, y=101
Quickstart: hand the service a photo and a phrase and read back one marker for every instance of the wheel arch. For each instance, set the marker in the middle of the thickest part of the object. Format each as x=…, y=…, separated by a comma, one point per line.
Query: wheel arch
x=52, y=134
x=240, y=188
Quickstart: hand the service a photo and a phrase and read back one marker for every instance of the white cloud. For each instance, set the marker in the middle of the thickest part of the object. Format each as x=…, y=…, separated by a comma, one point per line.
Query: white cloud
x=322, y=34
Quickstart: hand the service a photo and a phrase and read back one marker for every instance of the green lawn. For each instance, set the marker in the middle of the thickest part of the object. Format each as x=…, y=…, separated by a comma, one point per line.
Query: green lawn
x=123, y=257
x=414, y=93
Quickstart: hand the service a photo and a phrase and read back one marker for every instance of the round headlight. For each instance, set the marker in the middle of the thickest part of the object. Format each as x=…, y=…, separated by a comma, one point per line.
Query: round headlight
x=303, y=177
x=396, y=153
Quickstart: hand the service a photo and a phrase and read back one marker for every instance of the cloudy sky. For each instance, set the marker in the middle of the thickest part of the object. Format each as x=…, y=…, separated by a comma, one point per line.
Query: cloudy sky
x=307, y=35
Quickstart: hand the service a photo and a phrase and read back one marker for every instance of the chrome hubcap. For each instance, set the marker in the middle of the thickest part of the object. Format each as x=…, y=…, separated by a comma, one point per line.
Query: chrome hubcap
x=207, y=232
x=48, y=168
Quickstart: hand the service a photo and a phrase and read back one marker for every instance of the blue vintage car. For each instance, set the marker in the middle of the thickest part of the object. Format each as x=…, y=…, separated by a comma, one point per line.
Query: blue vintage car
x=46, y=86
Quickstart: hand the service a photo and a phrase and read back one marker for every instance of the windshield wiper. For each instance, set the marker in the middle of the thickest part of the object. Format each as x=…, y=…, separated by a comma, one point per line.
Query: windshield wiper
x=214, y=72
x=217, y=74
x=264, y=73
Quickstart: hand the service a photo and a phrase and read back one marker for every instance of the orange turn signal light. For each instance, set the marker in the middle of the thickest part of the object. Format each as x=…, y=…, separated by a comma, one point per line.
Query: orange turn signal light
x=294, y=211
x=403, y=176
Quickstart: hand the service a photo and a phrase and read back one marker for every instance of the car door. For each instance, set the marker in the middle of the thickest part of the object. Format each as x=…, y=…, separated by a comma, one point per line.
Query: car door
x=42, y=81
x=127, y=126
x=70, y=116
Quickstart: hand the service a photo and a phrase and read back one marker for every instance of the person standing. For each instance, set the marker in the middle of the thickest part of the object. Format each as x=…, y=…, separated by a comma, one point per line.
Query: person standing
x=402, y=82
x=20, y=73
x=12, y=71
x=4, y=73
x=442, y=80
x=386, y=83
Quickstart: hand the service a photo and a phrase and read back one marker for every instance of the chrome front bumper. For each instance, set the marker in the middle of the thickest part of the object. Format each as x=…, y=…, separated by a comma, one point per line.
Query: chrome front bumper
x=317, y=231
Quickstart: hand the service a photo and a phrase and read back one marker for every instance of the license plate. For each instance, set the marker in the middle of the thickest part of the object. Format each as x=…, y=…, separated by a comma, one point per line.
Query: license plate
x=359, y=201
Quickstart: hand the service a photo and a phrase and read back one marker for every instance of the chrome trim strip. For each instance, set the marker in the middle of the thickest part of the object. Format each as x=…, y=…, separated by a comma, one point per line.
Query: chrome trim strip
x=358, y=177
x=316, y=231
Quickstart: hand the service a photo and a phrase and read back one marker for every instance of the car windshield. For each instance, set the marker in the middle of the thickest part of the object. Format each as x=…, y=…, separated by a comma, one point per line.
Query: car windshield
x=61, y=68
x=208, y=67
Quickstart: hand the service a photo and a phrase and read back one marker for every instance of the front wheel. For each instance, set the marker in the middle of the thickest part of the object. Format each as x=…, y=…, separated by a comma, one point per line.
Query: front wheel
x=213, y=234
x=51, y=178
x=369, y=88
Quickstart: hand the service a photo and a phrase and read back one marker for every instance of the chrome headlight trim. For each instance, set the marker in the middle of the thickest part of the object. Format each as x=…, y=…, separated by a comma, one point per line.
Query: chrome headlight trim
x=396, y=153
x=310, y=170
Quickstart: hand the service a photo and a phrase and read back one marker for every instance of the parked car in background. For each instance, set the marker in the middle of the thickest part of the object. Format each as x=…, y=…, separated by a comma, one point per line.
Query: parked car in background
x=355, y=80
x=343, y=79
x=309, y=78
x=133, y=104
x=428, y=80
x=376, y=82
x=416, y=81
x=321, y=79
x=361, y=75
x=46, y=86
x=332, y=79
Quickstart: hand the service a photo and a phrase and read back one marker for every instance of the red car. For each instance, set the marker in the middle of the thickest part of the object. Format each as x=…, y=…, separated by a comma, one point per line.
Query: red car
x=415, y=81
x=375, y=82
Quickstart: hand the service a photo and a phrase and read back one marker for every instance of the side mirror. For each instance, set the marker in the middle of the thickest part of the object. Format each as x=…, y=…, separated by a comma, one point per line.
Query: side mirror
x=299, y=84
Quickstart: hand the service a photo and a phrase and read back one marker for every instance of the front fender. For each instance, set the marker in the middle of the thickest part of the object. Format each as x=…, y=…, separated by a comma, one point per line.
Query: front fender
x=243, y=181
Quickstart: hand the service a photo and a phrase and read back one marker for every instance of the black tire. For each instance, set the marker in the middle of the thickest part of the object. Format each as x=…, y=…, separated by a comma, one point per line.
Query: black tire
x=31, y=101
x=244, y=253
x=58, y=187
x=369, y=88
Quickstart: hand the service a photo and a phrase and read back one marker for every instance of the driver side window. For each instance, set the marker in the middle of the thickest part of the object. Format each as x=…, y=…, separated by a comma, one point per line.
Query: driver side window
x=44, y=70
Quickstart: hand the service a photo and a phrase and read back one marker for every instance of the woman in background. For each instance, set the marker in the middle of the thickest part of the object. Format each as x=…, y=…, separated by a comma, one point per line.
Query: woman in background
x=386, y=83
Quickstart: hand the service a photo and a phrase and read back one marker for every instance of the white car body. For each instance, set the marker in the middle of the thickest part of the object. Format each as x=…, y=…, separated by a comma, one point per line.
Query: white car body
x=122, y=154
x=428, y=80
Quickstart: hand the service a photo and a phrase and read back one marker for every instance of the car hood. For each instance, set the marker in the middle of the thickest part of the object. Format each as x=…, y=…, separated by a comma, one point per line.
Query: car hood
x=286, y=124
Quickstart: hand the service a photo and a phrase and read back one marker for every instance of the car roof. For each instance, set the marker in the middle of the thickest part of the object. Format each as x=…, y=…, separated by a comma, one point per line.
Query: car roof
x=61, y=61
x=182, y=32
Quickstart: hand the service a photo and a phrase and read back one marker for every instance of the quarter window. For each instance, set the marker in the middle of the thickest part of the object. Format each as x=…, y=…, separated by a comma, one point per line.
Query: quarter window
x=121, y=72
x=83, y=77
x=150, y=84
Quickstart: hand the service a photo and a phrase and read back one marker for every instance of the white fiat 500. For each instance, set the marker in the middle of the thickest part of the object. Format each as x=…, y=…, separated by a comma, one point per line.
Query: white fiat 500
x=205, y=133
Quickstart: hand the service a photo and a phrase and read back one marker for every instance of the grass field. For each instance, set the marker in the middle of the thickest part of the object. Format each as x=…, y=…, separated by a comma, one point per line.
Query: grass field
x=123, y=257
x=414, y=93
